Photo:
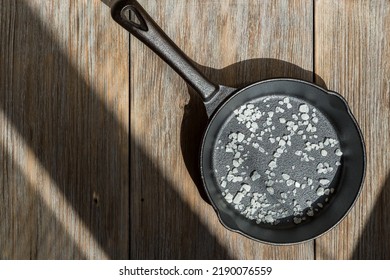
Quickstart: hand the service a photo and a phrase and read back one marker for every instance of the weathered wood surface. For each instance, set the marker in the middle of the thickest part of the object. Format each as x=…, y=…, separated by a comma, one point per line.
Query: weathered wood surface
x=67, y=91
x=63, y=131
x=353, y=57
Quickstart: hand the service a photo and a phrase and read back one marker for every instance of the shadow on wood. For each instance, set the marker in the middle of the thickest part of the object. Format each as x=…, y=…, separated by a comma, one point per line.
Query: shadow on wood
x=374, y=242
x=236, y=75
x=166, y=228
x=21, y=219
x=84, y=148
x=68, y=128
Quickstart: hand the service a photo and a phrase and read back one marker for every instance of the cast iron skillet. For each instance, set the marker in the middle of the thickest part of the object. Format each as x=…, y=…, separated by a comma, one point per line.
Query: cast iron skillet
x=220, y=102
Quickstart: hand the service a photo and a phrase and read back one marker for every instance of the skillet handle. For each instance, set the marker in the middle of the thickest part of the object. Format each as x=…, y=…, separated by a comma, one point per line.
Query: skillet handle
x=130, y=15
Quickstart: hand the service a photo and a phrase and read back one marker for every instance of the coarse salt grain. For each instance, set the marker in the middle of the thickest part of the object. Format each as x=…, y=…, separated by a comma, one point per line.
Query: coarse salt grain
x=324, y=181
x=240, y=137
x=305, y=117
x=303, y=108
x=290, y=182
x=269, y=219
x=229, y=197
x=269, y=183
x=272, y=164
x=255, y=175
x=238, y=197
x=338, y=153
x=270, y=190
x=320, y=191
x=297, y=220
x=245, y=188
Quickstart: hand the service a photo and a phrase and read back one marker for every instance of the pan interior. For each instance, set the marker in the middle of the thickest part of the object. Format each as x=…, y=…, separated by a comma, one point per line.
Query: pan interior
x=275, y=160
x=259, y=183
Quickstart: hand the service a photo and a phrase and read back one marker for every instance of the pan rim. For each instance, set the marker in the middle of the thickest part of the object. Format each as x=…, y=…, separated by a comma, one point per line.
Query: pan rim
x=363, y=160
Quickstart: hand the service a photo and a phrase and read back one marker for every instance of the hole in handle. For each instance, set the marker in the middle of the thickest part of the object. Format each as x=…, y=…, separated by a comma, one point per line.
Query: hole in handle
x=133, y=17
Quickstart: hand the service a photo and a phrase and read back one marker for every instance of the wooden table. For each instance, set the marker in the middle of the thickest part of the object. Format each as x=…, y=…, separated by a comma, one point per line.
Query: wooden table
x=77, y=91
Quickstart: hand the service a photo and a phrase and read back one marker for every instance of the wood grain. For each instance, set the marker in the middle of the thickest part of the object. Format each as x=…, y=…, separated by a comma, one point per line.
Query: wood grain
x=63, y=131
x=64, y=124
x=235, y=42
x=352, y=56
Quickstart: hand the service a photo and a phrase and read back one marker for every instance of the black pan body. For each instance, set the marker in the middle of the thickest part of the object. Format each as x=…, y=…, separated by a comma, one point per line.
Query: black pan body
x=350, y=176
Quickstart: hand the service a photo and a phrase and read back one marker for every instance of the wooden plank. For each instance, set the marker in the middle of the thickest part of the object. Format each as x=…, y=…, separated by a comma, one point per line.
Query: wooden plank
x=352, y=55
x=235, y=42
x=64, y=131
